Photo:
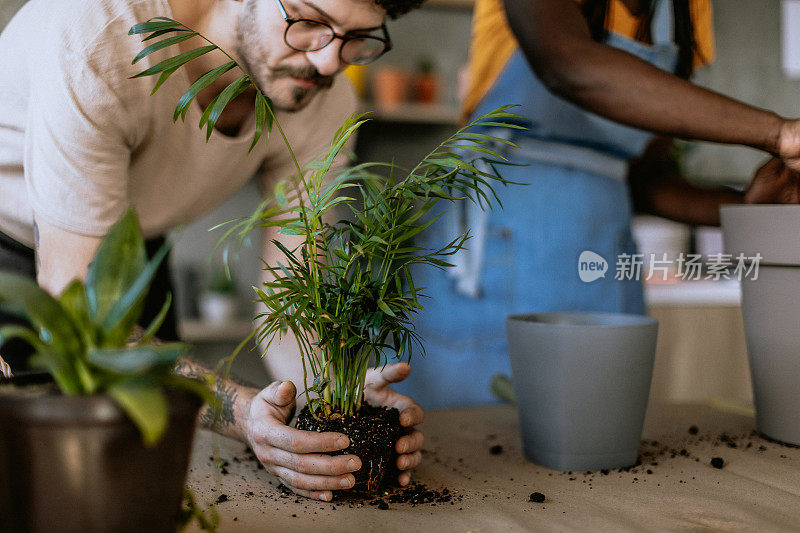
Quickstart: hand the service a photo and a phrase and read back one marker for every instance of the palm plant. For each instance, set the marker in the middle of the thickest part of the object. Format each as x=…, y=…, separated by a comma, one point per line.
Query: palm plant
x=347, y=292
x=82, y=337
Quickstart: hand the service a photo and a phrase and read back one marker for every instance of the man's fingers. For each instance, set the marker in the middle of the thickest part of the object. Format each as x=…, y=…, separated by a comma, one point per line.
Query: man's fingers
x=299, y=441
x=280, y=393
x=412, y=415
x=314, y=463
x=389, y=374
x=409, y=461
x=410, y=443
x=404, y=478
x=321, y=495
x=314, y=483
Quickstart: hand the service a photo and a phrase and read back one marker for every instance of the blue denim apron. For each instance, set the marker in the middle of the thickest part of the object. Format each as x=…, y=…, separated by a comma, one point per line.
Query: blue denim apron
x=524, y=258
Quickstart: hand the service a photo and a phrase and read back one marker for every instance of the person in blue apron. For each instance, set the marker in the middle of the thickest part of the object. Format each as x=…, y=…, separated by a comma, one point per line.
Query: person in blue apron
x=576, y=199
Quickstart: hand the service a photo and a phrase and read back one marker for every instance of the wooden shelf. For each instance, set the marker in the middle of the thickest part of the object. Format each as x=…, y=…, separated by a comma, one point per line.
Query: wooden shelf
x=414, y=113
x=194, y=331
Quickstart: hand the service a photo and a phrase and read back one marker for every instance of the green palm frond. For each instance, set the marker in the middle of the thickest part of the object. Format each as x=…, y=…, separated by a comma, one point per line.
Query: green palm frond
x=347, y=292
x=162, y=33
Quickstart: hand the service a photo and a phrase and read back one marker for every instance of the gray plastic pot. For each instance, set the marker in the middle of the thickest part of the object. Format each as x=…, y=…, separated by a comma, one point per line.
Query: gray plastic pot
x=581, y=382
x=771, y=310
x=76, y=463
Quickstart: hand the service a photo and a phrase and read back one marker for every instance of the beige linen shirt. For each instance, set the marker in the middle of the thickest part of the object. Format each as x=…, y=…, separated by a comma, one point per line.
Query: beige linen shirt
x=80, y=141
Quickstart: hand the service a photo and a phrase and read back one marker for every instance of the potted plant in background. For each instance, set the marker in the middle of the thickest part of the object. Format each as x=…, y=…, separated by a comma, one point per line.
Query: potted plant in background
x=218, y=302
x=770, y=296
x=106, y=446
x=427, y=82
x=347, y=292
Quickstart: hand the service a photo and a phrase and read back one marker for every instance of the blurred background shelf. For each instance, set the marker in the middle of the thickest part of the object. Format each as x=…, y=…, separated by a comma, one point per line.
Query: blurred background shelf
x=198, y=331
x=414, y=113
x=451, y=4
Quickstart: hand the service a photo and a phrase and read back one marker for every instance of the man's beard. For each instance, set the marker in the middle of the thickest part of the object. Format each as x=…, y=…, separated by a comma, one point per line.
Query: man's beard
x=309, y=73
x=251, y=53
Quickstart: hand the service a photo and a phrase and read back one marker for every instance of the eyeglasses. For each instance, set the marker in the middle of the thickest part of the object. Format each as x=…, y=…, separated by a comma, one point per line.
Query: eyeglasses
x=306, y=35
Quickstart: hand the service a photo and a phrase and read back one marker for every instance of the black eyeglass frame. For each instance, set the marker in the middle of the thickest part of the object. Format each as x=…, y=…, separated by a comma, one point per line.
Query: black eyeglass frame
x=386, y=40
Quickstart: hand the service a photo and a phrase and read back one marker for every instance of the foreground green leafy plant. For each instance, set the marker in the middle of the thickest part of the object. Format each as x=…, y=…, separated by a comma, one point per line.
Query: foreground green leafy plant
x=81, y=337
x=347, y=293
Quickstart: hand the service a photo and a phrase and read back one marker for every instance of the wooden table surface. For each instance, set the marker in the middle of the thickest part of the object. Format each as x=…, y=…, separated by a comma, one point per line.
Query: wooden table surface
x=675, y=488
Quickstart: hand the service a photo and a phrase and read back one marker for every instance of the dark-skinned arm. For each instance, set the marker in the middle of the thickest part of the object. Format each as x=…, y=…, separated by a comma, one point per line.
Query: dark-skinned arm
x=658, y=188
x=555, y=38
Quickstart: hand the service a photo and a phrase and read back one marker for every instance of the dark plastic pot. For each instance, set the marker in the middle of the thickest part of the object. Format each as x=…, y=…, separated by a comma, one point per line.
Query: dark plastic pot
x=78, y=464
x=770, y=306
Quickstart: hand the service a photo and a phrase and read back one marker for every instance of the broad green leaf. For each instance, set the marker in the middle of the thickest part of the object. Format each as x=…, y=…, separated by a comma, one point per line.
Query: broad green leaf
x=137, y=360
x=154, y=326
x=89, y=381
x=44, y=311
x=146, y=406
x=73, y=300
x=202, y=82
x=119, y=261
x=121, y=318
x=45, y=357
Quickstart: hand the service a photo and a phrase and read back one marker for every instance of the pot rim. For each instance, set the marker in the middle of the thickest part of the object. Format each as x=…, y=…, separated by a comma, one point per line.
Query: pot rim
x=53, y=408
x=758, y=207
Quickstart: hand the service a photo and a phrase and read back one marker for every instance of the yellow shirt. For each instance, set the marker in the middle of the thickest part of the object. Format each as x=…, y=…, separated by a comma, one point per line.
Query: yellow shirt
x=493, y=42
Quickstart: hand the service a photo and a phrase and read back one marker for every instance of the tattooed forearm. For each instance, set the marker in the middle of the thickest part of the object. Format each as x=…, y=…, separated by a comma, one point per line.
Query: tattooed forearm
x=222, y=417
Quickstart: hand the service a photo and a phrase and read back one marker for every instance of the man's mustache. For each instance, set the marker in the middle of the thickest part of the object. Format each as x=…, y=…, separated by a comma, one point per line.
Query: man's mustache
x=305, y=73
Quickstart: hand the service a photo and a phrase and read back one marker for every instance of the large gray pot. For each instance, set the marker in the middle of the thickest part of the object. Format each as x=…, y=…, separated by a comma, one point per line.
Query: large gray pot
x=581, y=382
x=771, y=310
x=78, y=464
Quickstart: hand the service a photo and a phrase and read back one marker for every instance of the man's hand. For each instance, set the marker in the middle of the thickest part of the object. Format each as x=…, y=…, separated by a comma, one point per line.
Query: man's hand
x=789, y=144
x=297, y=457
x=775, y=183
x=377, y=392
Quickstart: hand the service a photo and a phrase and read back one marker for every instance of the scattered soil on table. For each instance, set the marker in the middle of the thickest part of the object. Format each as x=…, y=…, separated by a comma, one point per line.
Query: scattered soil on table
x=696, y=447
x=413, y=495
x=373, y=433
x=496, y=449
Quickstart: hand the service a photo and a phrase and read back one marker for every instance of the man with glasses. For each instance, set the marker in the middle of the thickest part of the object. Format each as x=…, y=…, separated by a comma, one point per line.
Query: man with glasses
x=80, y=142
